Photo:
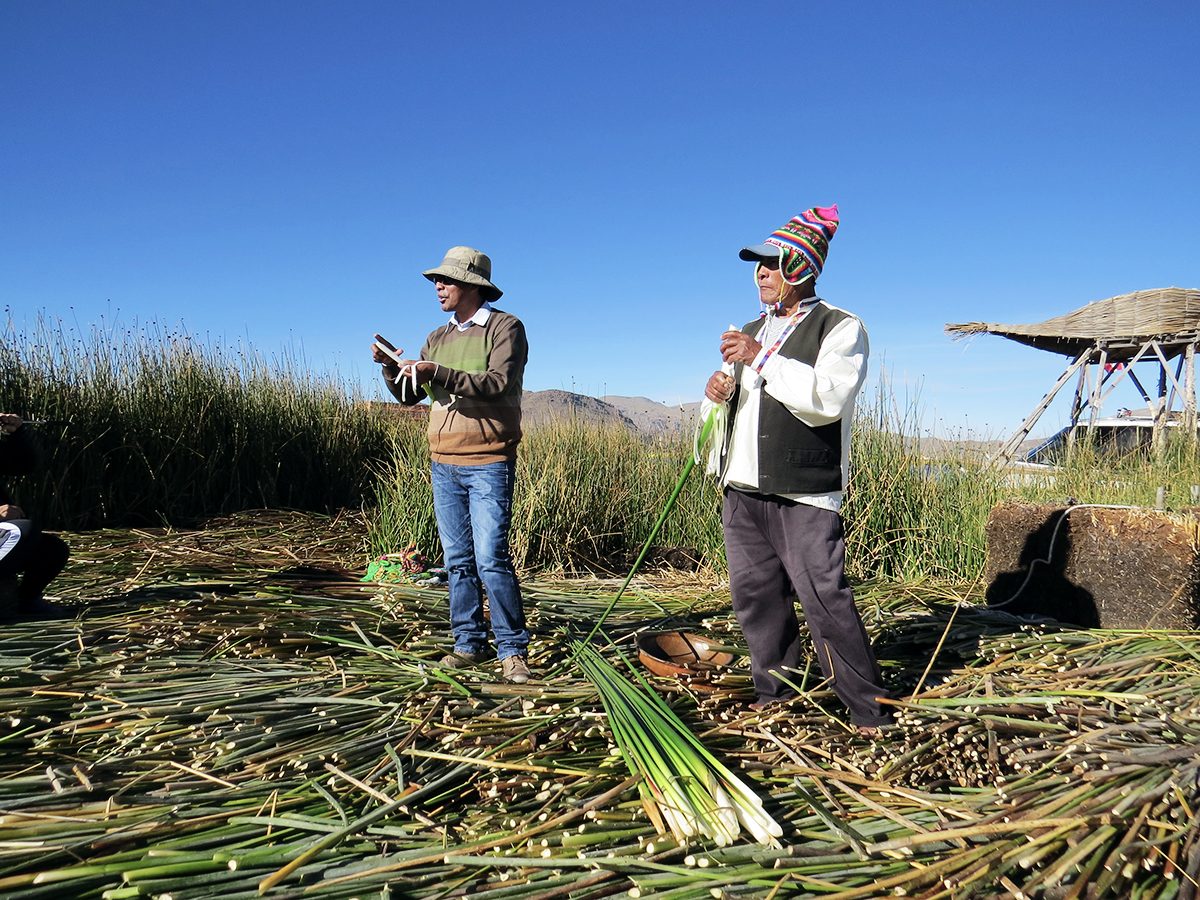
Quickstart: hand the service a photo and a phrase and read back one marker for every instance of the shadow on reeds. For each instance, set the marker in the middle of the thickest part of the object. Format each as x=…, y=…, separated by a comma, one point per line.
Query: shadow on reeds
x=157, y=594
x=951, y=638
x=293, y=580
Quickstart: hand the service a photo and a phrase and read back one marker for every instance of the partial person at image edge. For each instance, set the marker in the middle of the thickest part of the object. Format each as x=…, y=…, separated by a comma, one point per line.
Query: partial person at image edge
x=29, y=559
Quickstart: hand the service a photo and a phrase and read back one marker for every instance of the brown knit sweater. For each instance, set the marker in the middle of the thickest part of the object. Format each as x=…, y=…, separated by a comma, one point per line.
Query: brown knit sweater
x=475, y=416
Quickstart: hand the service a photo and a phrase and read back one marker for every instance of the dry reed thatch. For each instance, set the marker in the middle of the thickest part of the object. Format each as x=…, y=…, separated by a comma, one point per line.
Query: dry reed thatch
x=238, y=718
x=1094, y=567
x=1169, y=314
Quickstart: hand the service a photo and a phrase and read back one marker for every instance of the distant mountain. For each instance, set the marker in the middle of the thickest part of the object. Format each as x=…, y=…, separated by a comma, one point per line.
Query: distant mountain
x=541, y=407
x=639, y=414
x=656, y=418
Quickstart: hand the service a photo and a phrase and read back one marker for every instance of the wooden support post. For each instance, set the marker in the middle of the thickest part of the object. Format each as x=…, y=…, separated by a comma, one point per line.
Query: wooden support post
x=1189, y=391
x=1142, y=390
x=1158, y=435
x=1080, y=390
x=1006, y=453
x=1095, y=400
x=1077, y=405
x=1176, y=388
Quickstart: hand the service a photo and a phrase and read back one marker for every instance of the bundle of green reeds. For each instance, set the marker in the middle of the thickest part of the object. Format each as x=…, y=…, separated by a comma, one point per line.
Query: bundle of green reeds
x=685, y=789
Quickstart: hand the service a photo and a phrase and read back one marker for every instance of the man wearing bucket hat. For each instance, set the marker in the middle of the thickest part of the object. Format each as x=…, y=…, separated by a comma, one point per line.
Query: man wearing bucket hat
x=790, y=379
x=472, y=369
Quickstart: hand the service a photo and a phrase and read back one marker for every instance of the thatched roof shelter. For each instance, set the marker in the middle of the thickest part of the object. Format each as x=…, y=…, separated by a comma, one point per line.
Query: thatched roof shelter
x=1122, y=324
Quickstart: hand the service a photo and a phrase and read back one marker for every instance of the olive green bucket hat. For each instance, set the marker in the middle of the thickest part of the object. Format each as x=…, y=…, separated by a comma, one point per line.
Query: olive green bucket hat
x=469, y=266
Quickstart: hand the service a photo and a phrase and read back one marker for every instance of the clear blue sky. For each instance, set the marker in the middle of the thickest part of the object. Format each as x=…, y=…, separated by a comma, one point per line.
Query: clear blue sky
x=281, y=172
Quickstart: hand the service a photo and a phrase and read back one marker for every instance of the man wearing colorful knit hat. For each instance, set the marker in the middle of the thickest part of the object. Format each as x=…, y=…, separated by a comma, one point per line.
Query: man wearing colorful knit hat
x=472, y=369
x=790, y=379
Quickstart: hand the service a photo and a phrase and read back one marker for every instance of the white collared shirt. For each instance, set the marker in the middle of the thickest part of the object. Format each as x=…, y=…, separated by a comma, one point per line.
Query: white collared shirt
x=480, y=318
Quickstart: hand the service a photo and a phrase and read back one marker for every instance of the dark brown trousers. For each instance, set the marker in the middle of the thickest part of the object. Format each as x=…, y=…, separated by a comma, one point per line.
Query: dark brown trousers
x=779, y=549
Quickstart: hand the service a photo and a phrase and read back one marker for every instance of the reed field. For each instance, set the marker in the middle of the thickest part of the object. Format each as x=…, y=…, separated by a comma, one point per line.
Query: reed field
x=229, y=711
x=587, y=495
x=148, y=426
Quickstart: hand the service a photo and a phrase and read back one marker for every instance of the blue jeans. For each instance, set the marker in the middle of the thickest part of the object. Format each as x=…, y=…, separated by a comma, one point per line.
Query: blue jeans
x=473, y=506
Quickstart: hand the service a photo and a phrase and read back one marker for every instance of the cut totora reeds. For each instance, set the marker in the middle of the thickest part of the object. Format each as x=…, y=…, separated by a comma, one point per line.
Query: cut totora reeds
x=683, y=785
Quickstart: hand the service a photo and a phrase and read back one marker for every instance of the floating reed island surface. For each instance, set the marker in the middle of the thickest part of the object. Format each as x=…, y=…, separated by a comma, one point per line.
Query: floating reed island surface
x=232, y=713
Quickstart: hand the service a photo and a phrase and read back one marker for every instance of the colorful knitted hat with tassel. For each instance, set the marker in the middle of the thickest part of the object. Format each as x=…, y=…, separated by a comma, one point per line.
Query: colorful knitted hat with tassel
x=801, y=245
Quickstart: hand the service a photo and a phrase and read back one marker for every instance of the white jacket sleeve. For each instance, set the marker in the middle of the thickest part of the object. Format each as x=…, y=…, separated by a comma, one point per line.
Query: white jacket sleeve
x=823, y=392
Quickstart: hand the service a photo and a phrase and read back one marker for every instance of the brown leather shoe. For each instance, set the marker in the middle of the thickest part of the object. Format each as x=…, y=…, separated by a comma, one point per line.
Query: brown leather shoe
x=461, y=659
x=515, y=669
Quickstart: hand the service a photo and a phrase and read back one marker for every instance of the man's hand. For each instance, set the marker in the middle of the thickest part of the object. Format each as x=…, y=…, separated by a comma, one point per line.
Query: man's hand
x=380, y=355
x=423, y=367
x=9, y=511
x=9, y=422
x=719, y=388
x=737, y=347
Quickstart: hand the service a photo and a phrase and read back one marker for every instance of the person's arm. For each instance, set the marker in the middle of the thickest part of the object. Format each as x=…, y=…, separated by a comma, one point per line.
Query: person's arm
x=821, y=393
x=506, y=362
